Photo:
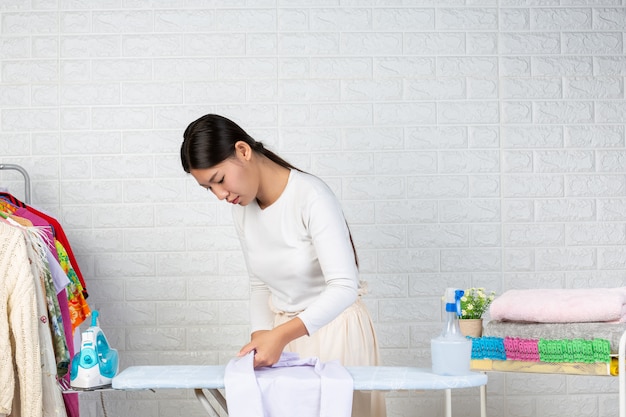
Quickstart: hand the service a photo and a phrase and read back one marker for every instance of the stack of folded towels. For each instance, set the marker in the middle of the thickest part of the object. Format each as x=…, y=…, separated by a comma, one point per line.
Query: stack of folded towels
x=552, y=306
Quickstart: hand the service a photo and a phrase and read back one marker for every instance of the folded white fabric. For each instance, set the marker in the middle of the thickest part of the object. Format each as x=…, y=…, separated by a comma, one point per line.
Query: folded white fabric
x=292, y=387
x=580, y=305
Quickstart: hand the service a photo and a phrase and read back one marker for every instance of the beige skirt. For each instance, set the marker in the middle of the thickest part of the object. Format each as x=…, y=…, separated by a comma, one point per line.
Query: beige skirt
x=351, y=339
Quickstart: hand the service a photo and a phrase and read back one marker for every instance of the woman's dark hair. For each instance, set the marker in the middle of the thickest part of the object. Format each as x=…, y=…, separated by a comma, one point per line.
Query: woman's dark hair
x=211, y=140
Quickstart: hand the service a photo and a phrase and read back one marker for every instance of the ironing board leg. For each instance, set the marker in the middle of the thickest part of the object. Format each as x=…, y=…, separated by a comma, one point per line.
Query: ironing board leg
x=448, y=403
x=204, y=400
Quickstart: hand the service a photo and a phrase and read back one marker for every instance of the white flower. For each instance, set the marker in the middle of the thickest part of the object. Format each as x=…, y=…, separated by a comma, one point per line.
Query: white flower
x=475, y=302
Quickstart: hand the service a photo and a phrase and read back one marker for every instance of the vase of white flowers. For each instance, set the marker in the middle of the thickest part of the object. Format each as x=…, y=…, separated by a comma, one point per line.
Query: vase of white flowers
x=474, y=304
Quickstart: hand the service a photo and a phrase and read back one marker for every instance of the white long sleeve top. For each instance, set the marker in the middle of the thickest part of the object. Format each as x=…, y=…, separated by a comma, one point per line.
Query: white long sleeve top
x=298, y=252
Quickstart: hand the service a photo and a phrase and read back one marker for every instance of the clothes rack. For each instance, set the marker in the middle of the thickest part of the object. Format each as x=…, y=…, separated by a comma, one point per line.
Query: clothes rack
x=24, y=173
x=45, y=313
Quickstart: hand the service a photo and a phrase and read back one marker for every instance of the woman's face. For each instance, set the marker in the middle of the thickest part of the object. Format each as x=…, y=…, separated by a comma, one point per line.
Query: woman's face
x=230, y=180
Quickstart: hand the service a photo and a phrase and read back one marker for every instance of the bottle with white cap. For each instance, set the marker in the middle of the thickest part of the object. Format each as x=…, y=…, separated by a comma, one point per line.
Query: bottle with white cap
x=451, y=352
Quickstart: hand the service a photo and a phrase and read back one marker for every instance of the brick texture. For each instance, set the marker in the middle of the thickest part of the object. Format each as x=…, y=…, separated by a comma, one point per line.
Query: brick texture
x=472, y=143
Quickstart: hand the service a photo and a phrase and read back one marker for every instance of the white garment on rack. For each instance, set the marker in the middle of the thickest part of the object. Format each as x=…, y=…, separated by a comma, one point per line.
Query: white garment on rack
x=18, y=327
x=291, y=387
x=59, y=277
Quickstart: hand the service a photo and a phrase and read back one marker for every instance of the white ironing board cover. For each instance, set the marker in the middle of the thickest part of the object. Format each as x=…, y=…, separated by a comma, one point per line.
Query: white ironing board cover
x=384, y=378
x=170, y=376
x=389, y=378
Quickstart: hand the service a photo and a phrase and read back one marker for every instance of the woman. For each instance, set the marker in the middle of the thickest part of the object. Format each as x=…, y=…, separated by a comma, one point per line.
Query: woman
x=304, y=286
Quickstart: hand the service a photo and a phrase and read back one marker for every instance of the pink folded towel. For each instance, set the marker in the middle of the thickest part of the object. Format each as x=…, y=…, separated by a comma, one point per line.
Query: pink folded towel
x=580, y=305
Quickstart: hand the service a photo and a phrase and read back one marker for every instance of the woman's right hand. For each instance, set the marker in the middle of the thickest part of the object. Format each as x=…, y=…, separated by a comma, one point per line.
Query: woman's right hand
x=267, y=347
x=269, y=344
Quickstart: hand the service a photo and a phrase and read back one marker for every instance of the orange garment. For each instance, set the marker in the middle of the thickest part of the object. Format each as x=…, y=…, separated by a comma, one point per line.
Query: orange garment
x=7, y=207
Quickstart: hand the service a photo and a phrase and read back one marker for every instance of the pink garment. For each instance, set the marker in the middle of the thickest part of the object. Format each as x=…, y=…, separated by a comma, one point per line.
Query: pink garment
x=292, y=387
x=582, y=305
x=44, y=226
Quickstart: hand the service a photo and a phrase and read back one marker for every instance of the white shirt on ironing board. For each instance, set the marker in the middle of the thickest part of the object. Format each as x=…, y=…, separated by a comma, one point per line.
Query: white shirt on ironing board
x=298, y=252
x=292, y=387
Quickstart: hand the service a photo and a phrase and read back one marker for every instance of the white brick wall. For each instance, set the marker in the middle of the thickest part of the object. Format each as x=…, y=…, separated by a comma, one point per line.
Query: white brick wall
x=472, y=143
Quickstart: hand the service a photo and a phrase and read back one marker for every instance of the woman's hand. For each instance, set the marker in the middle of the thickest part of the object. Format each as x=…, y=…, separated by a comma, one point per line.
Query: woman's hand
x=269, y=344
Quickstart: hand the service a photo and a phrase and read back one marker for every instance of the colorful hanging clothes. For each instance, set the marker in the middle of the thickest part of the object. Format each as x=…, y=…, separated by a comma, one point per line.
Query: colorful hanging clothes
x=55, y=281
x=10, y=198
x=79, y=309
x=58, y=233
x=55, y=358
x=59, y=342
x=42, y=224
x=7, y=207
x=53, y=400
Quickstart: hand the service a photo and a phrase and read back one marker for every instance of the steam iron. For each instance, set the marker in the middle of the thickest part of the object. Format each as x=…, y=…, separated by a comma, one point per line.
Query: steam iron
x=96, y=364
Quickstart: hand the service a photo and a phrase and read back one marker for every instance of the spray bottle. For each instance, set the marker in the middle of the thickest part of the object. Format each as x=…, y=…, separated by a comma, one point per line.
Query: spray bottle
x=451, y=352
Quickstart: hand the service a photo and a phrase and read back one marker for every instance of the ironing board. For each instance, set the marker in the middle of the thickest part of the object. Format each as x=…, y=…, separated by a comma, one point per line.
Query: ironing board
x=210, y=378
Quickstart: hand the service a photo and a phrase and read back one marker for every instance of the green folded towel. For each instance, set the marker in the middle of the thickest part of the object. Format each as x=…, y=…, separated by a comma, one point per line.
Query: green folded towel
x=575, y=350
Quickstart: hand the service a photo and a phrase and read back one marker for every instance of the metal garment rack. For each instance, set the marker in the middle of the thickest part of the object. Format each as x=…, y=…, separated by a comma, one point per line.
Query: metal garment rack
x=22, y=171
